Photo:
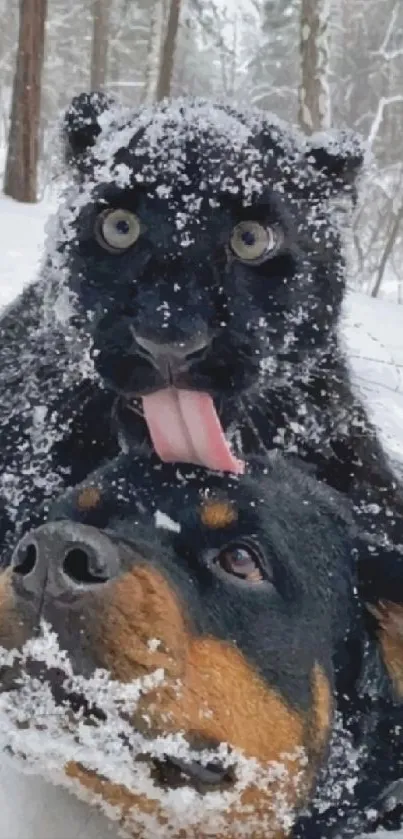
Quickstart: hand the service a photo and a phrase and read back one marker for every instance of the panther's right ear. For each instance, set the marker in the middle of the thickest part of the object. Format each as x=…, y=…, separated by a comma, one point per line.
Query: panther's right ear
x=81, y=126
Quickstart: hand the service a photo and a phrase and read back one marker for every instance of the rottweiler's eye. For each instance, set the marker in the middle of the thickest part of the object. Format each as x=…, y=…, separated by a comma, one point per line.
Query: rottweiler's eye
x=242, y=561
x=117, y=230
x=252, y=242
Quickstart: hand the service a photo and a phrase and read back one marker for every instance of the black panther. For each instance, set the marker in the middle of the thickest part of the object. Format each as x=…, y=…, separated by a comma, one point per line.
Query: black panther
x=189, y=300
x=252, y=596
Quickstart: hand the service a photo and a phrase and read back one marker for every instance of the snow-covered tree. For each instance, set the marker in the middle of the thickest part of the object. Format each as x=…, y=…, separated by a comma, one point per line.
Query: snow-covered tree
x=274, y=64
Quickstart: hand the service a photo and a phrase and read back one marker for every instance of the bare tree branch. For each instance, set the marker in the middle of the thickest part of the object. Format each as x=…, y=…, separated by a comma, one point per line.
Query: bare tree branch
x=384, y=102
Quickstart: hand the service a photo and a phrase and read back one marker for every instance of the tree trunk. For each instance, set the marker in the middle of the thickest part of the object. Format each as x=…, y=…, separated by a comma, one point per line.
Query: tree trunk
x=168, y=51
x=314, y=97
x=99, y=51
x=20, y=180
x=387, y=251
x=154, y=51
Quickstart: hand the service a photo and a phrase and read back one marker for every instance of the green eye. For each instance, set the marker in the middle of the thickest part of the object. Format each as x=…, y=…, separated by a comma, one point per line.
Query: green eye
x=252, y=242
x=117, y=230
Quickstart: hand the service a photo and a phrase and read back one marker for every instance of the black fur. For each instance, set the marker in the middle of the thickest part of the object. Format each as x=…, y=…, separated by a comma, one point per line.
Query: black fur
x=273, y=362
x=306, y=612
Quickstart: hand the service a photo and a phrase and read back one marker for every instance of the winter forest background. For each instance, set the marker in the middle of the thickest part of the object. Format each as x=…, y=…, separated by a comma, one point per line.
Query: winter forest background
x=313, y=62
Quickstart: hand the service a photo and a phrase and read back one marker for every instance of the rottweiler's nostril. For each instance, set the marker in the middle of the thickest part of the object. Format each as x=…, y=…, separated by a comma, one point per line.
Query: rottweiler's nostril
x=65, y=558
x=80, y=565
x=25, y=559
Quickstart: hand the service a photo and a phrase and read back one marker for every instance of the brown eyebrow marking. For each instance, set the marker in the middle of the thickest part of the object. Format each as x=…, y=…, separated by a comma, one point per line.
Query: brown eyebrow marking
x=216, y=513
x=89, y=498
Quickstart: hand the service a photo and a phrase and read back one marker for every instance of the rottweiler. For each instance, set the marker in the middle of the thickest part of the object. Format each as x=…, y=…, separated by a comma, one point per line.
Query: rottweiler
x=191, y=288
x=240, y=616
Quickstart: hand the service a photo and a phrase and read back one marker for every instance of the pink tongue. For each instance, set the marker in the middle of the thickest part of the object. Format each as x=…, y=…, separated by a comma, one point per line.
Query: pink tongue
x=184, y=427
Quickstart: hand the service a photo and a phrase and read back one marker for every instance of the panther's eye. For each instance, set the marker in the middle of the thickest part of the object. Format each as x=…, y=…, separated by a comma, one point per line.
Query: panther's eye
x=240, y=560
x=117, y=230
x=252, y=242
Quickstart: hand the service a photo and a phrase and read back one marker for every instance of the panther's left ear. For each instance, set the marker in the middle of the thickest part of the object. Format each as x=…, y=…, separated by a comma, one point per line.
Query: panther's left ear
x=340, y=156
x=82, y=124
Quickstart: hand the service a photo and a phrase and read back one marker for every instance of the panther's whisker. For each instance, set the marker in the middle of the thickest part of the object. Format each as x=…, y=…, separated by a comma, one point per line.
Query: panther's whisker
x=253, y=428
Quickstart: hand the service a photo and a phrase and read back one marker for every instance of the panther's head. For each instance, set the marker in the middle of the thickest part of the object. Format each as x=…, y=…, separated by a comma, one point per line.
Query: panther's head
x=203, y=254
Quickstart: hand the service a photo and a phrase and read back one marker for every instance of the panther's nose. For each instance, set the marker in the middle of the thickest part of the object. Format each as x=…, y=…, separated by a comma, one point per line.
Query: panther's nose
x=175, y=352
x=64, y=558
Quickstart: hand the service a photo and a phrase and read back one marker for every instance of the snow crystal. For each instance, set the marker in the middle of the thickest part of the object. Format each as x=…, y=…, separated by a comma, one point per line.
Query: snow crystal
x=153, y=645
x=122, y=175
x=165, y=522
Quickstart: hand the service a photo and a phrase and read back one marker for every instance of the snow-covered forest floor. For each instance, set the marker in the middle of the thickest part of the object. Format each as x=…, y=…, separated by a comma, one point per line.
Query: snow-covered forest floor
x=373, y=333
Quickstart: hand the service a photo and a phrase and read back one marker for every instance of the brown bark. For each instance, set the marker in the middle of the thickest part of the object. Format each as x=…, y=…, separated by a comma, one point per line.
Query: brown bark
x=20, y=180
x=391, y=240
x=99, y=50
x=314, y=104
x=168, y=51
x=154, y=50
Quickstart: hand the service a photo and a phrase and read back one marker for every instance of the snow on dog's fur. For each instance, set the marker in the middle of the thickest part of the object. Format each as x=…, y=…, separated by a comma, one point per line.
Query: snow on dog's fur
x=201, y=667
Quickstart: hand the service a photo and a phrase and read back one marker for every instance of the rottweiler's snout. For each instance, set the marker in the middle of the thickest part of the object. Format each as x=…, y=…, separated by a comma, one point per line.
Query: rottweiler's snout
x=64, y=557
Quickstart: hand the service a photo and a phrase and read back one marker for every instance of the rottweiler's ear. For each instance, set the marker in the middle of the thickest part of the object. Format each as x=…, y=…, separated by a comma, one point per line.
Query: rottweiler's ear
x=379, y=571
x=81, y=125
x=340, y=156
x=380, y=589
x=388, y=618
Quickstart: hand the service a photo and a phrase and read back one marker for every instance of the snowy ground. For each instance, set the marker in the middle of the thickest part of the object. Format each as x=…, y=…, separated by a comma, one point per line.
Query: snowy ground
x=33, y=809
x=373, y=332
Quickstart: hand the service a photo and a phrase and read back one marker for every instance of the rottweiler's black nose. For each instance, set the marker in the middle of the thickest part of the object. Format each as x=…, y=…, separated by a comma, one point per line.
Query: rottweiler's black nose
x=63, y=557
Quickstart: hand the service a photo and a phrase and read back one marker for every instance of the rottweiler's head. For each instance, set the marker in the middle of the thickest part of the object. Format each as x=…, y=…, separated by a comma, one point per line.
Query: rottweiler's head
x=219, y=603
x=200, y=247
